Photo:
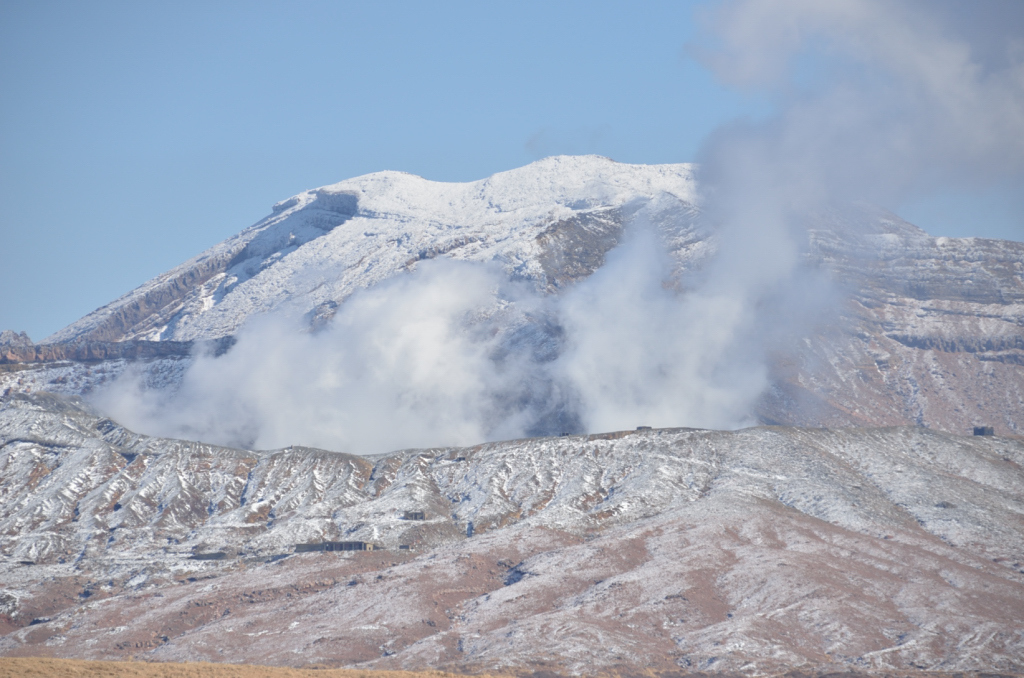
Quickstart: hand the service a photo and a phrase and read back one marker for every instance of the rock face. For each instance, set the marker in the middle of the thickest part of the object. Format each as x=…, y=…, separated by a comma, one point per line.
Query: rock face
x=757, y=551
x=12, y=338
x=92, y=351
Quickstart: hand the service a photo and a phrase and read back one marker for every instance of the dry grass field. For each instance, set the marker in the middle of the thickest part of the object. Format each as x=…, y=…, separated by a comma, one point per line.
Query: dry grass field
x=38, y=667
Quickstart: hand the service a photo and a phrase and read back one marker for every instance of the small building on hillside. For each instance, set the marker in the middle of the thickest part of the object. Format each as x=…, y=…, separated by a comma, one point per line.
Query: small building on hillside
x=335, y=546
x=414, y=515
x=984, y=431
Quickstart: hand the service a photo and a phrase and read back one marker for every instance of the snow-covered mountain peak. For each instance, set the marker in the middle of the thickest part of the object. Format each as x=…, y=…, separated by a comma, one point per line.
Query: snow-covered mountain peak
x=574, y=182
x=323, y=244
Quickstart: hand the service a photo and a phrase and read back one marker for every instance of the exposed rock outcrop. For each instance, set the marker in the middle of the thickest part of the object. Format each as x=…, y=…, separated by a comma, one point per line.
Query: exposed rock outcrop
x=93, y=351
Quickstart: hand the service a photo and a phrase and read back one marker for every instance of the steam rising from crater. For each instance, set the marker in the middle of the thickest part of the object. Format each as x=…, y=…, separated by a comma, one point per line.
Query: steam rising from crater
x=874, y=101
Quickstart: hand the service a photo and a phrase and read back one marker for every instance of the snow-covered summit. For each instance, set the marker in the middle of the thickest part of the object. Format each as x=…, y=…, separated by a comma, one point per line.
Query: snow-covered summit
x=573, y=182
x=321, y=245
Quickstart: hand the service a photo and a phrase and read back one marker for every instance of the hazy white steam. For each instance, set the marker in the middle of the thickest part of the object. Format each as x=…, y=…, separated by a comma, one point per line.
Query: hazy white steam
x=639, y=351
x=454, y=353
x=875, y=100
x=406, y=363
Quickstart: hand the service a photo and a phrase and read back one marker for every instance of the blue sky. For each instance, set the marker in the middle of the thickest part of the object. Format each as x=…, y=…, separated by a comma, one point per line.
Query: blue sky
x=134, y=135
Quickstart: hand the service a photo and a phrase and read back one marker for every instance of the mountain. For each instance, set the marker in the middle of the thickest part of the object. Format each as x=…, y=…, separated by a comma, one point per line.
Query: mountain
x=925, y=331
x=755, y=551
x=550, y=223
x=857, y=530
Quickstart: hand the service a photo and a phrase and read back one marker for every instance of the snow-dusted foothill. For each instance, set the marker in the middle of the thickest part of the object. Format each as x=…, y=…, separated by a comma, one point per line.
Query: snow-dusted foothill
x=755, y=550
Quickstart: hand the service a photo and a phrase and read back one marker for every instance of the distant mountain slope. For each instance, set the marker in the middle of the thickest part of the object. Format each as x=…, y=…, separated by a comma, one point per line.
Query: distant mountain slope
x=928, y=331
x=931, y=332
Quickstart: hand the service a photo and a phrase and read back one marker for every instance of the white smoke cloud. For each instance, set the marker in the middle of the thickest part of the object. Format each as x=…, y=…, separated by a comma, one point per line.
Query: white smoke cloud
x=640, y=351
x=874, y=100
x=877, y=99
x=455, y=353
x=407, y=363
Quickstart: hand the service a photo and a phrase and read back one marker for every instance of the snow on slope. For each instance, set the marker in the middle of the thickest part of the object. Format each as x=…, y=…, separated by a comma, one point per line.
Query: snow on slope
x=757, y=551
x=321, y=245
x=929, y=333
x=69, y=474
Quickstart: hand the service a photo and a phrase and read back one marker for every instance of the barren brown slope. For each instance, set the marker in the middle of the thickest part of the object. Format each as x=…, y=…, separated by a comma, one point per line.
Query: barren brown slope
x=45, y=667
x=737, y=586
x=72, y=668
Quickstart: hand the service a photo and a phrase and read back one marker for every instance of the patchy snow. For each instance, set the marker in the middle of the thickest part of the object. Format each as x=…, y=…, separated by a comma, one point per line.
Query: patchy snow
x=755, y=550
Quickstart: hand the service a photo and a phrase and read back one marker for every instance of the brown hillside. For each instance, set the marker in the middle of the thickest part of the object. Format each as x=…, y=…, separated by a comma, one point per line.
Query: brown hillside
x=44, y=667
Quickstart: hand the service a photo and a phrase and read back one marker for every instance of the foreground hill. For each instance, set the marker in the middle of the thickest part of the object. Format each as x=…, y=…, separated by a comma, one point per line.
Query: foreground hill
x=70, y=668
x=759, y=550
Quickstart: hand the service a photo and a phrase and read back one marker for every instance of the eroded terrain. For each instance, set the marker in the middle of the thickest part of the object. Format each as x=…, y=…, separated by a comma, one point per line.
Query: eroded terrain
x=761, y=550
